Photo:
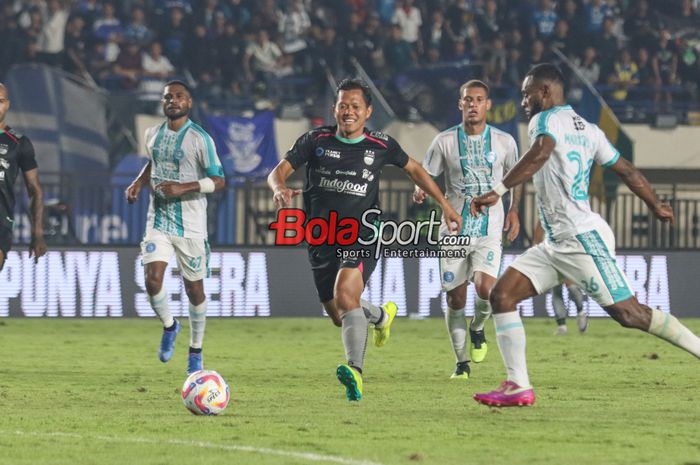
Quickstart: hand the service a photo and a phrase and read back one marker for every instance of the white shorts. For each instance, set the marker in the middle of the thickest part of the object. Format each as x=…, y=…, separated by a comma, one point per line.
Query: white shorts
x=587, y=259
x=192, y=254
x=484, y=254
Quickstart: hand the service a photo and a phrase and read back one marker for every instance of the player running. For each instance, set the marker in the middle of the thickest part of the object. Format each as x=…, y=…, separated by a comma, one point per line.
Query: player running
x=474, y=157
x=183, y=167
x=343, y=167
x=579, y=244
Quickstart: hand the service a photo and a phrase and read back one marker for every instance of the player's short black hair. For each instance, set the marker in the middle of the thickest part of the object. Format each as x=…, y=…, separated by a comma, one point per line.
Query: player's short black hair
x=474, y=83
x=177, y=82
x=355, y=84
x=546, y=72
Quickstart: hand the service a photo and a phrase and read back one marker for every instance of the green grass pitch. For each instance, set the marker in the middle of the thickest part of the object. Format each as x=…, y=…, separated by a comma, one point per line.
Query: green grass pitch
x=76, y=392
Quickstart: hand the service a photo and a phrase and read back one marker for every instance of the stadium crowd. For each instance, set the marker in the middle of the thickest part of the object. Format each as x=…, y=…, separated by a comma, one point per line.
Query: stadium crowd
x=230, y=48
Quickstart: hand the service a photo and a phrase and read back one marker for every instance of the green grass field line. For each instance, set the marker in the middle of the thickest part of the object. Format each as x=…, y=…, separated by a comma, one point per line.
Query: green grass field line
x=83, y=392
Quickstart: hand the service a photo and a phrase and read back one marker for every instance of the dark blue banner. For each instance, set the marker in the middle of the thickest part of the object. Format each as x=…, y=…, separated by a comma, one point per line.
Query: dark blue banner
x=246, y=146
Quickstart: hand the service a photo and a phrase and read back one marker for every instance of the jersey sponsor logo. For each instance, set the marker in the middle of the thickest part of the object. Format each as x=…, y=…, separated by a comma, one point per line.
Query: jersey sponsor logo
x=379, y=135
x=319, y=151
x=3, y=149
x=346, y=172
x=323, y=170
x=369, y=157
x=2, y=175
x=292, y=227
x=4, y=164
x=367, y=174
x=344, y=186
x=332, y=153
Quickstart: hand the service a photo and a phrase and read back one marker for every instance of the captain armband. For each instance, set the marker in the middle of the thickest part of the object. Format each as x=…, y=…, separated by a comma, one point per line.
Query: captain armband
x=206, y=186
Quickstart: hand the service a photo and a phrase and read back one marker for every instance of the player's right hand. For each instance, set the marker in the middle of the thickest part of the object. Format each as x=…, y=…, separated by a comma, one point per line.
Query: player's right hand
x=132, y=192
x=283, y=197
x=664, y=212
x=419, y=195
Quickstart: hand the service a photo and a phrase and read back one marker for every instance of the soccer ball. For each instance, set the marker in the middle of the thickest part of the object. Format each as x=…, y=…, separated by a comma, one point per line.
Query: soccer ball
x=205, y=392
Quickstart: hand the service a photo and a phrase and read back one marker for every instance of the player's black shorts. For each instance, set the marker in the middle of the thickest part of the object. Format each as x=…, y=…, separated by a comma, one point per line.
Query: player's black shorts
x=325, y=264
x=5, y=240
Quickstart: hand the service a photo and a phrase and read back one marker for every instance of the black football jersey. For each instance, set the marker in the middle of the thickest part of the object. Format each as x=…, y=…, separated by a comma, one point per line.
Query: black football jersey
x=16, y=153
x=343, y=175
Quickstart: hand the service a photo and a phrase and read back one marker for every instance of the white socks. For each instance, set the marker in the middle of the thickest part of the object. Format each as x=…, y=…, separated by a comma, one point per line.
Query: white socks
x=510, y=336
x=668, y=328
x=457, y=329
x=481, y=313
x=159, y=304
x=198, y=321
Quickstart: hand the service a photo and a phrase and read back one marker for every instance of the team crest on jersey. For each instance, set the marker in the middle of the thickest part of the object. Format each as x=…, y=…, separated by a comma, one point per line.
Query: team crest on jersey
x=4, y=164
x=179, y=154
x=369, y=157
x=367, y=174
x=491, y=157
x=3, y=149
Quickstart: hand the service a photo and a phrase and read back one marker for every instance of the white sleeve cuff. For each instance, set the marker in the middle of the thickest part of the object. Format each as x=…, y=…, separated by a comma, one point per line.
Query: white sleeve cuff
x=500, y=189
x=206, y=186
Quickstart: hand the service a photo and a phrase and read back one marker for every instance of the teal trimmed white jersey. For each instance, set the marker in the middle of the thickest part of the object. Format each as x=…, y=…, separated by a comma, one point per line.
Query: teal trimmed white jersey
x=183, y=156
x=472, y=166
x=562, y=183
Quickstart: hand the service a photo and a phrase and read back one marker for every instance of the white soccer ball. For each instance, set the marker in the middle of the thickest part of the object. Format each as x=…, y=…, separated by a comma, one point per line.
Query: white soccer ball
x=205, y=392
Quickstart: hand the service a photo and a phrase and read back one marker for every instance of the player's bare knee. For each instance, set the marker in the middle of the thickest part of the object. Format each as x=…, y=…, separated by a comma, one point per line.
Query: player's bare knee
x=195, y=292
x=500, y=299
x=483, y=290
x=153, y=284
x=456, y=302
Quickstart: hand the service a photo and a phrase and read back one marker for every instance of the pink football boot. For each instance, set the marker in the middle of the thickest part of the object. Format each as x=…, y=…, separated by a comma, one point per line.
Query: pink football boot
x=508, y=394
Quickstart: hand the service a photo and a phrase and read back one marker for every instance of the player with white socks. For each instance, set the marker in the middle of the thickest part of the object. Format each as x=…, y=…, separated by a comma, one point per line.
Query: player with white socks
x=579, y=244
x=474, y=156
x=182, y=169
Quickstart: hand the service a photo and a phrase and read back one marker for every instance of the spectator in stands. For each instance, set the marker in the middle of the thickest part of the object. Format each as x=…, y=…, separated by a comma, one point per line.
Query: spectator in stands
x=648, y=73
x=262, y=63
x=608, y=48
x=75, y=58
x=561, y=41
x=570, y=12
x=625, y=75
x=206, y=13
x=97, y=63
x=497, y=62
x=173, y=36
x=202, y=61
x=409, y=19
x=128, y=65
x=665, y=61
x=370, y=51
x=435, y=35
x=157, y=70
x=515, y=67
x=594, y=13
x=266, y=16
x=640, y=26
x=51, y=41
x=537, y=54
x=294, y=27
x=587, y=65
x=399, y=54
x=229, y=50
x=544, y=19
x=137, y=29
x=488, y=22
x=107, y=25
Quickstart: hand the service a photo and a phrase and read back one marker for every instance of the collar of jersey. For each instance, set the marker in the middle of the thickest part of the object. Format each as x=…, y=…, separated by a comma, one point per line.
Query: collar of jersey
x=183, y=128
x=351, y=141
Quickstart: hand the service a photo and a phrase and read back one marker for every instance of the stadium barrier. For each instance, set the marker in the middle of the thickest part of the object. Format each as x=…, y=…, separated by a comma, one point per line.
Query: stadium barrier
x=276, y=282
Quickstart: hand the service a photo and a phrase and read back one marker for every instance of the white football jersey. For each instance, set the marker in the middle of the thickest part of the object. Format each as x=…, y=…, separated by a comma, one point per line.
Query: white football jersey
x=562, y=183
x=472, y=166
x=184, y=156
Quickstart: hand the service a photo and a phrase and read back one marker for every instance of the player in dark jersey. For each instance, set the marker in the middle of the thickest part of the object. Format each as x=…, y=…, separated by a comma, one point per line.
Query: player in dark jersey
x=17, y=153
x=343, y=166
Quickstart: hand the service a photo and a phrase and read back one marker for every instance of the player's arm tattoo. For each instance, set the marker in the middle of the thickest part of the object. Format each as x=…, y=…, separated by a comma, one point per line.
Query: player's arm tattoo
x=531, y=162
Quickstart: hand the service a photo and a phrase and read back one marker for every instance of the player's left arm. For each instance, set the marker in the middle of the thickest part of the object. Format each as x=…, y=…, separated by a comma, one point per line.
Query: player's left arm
x=527, y=166
x=37, y=245
x=637, y=183
x=512, y=221
x=213, y=181
x=423, y=180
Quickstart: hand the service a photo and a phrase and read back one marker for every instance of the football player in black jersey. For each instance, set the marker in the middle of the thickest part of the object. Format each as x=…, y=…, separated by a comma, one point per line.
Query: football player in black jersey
x=343, y=167
x=17, y=153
